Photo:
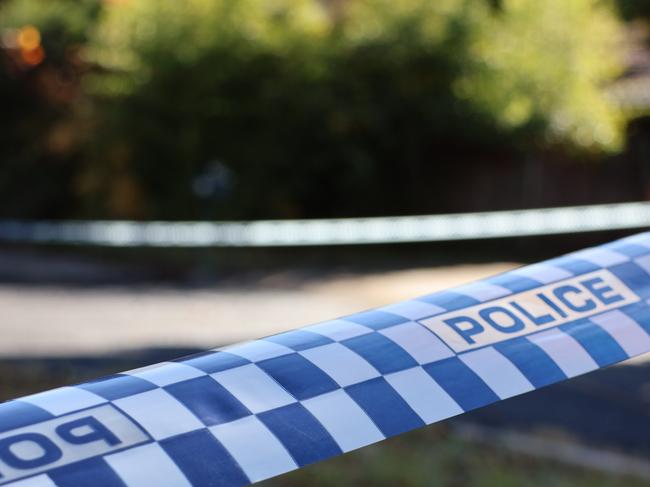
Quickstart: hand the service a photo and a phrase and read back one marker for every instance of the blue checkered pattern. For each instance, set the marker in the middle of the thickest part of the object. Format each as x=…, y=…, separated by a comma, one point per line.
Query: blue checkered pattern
x=255, y=410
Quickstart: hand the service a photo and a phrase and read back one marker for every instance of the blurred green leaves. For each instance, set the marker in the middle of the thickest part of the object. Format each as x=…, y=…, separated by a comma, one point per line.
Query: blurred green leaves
x=64, y=24
x=39, y=80
x=330, y=108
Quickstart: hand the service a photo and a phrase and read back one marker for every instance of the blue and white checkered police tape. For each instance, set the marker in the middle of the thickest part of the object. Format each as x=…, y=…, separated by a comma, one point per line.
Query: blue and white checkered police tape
x=251, y=411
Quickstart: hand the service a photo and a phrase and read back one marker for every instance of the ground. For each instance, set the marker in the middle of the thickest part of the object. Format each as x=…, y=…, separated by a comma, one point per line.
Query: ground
x=78, y=319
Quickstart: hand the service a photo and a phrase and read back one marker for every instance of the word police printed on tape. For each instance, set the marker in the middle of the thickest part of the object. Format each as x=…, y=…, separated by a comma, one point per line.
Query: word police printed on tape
x=527, y=312
x=66, y=440
x=251, y=411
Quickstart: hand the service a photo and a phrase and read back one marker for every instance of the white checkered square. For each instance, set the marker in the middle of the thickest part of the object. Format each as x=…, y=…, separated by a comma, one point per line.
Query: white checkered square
x=339, y=330
x=166, y=373
x=254, y=388
x=64, y=400
x=341, y=364
x=565, y=351
x=147, y=465
x=601, y=257
x=257, y=451
x=642, y=239
x=543, y=273
x=257, y=350
x=342, y=417
x=627, y=332
x=38, y=481
x=482, y=291
x=413, y=310
x=419, y=342
x=643, y=262
x=159, y=413
x=430, y=401
x=501, y=375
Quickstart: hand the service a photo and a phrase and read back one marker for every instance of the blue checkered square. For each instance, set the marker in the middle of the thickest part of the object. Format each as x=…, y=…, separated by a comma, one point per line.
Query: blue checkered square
x=301, y=433
x=461, y=383
x=634, y=277
x=298, y=375
x=208, y=400
x=449, y=300
x=573, y=265
x=299, y=339
x=639, y=312
x=118, y=386
x=382, y=353
x=532, y=361
x=387, y=409
x=629, y=249
x=596, y=341
x=514, y=283
x=14, y=414
x=94, y=472
x=203, y=460
x=212, y=362
x=376, y=319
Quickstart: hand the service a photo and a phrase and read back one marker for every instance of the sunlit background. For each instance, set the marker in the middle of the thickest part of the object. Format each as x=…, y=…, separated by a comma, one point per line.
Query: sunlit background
x=222, y=110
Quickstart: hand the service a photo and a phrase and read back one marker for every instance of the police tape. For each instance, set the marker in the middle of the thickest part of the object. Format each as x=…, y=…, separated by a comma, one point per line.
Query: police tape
x=251, y=411
x=334, y=231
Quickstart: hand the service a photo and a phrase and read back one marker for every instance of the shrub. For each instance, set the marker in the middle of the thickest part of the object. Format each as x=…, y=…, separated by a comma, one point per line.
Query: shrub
x=280, y=108
x=39, y=87
x=354, y=109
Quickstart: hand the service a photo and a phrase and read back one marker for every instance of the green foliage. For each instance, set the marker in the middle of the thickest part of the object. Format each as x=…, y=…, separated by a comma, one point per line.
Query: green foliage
x=311, y=108
x=546, y=62
x=63, y=24
x=37, y=135
x=208, y=81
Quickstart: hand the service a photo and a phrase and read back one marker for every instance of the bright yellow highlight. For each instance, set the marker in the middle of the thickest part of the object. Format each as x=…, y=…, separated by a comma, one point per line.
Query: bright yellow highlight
x=29, y=38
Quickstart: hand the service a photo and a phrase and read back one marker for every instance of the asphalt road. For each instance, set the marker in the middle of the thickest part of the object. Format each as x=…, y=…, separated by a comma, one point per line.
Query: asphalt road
x=63, y=306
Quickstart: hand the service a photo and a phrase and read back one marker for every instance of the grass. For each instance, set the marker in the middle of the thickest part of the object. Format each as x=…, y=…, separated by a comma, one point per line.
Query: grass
x=433, y=457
